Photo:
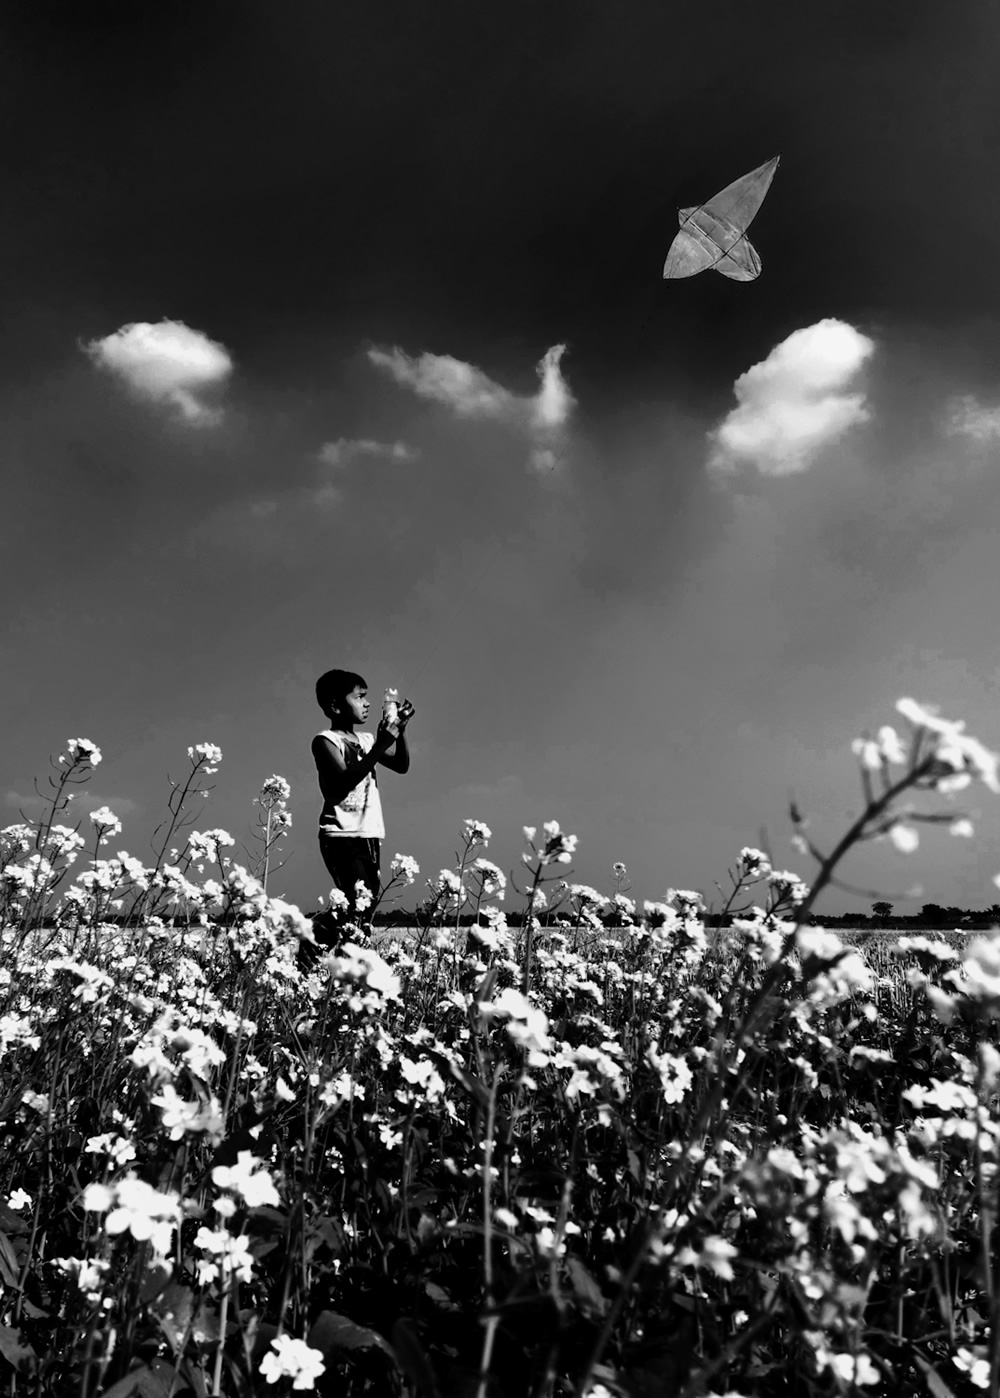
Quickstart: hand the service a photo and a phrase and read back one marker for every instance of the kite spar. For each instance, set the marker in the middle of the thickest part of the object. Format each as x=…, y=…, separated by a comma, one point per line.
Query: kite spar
x=714, y=234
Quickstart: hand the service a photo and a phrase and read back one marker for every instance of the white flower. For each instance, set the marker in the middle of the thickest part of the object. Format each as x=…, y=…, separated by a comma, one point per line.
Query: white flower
x=118, y=1148
x=406, y=866
x=362, y=896
x=89, y=1273
x=981, y=968
x=754, y=861
x=854, y=1368
x=207, y=753
x=447, y=882
x=180, y=1117
x=107, y=823
x=249, y=1178
x=477, y=832
x=869, y=753
x=137, y=1207
x=946, y=1096
x=232, y=1254
x=904, y=837
x=292, y=1359
x=953, y=747
x=494, y=883
x=83, y=750
x=961, y=827
x=273, y=790
x=559, y=848
x=977, y=1367
x=364, y=964
x=891, y=745
x=675, y=1075
x=424, y=1075
x=20, y=1199
x=528, y=1027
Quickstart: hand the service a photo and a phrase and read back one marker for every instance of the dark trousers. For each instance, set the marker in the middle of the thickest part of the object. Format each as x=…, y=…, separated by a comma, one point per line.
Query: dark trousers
x=348, y=858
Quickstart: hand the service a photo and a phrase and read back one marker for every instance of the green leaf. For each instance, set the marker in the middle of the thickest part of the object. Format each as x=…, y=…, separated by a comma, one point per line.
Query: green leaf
x=15, y=1350
x=11, y=1223
x=9, y=1270
x=935, y=1383
x=155, y=1382
x=440, y=1297
x=588, y=1293
x=413, y=1360
x=331, y=1331
x=172, y=1309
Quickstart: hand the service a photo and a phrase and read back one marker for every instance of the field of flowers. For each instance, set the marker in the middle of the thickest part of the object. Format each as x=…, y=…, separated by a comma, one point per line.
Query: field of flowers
x=613, y=1155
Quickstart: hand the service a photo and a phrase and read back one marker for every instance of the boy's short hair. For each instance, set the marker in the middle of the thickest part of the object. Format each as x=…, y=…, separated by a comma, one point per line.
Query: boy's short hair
x=334, y=687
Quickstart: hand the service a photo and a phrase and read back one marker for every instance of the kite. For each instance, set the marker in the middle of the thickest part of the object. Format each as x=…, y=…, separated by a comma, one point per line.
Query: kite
x=714, y=234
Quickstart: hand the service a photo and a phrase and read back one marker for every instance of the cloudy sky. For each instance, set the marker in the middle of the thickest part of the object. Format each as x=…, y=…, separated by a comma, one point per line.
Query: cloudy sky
x=336, y=335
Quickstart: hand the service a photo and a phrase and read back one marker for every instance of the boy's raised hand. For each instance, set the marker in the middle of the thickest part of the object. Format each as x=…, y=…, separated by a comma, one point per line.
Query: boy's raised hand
x=386, y=734
x=406, y=712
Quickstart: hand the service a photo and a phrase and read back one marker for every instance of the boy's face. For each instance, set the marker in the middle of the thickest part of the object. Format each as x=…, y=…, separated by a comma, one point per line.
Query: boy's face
x=356, y=704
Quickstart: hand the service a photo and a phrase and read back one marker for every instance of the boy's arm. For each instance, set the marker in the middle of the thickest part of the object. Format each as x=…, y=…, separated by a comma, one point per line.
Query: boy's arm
x=399, y=760
x=336, y=779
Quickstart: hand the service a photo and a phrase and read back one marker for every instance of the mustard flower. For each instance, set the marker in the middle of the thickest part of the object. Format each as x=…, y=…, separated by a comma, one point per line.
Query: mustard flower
x=753, y=863
x=981, y=970
x=952, y=746
x=63, y=842
x=205, y=844
x=788, y=885
x=424, y=1075
x=476, y=832
x=17, y=1029
x=364, y=964
x=559, y=847
x=275, y=789
x=107, y=823
x=89, y=1273
x=133, y=1206
x=249, y=1178
x=120, y=1150
x=403, y=865
x=207, y=753
x=975, y=1363
x=199, y=1050
x=904, y=837
x=675, y=1076
x=586, y=895
x=494, y=883
x=292, y=1359
x=528, y=1026
x=83, y=750
x=18, y=837
x=232, y=1256
x=182, y=1118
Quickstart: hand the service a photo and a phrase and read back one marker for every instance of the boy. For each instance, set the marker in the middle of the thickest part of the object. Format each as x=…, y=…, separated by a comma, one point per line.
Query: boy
x=350, y=825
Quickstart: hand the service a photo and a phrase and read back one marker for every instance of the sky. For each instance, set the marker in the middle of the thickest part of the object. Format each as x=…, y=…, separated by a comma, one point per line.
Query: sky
x=336, y=336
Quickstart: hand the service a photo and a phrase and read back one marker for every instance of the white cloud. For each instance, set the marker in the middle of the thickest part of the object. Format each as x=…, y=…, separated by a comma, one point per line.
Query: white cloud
x=970, y=419
x=340, y=452
x=470, y=393
x=793, y=403
x=83, y=803
x=553, y=403
x=167, y=363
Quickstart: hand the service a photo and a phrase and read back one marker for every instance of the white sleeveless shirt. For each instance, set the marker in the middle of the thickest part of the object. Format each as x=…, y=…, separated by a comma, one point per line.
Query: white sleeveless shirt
x=360, y=811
